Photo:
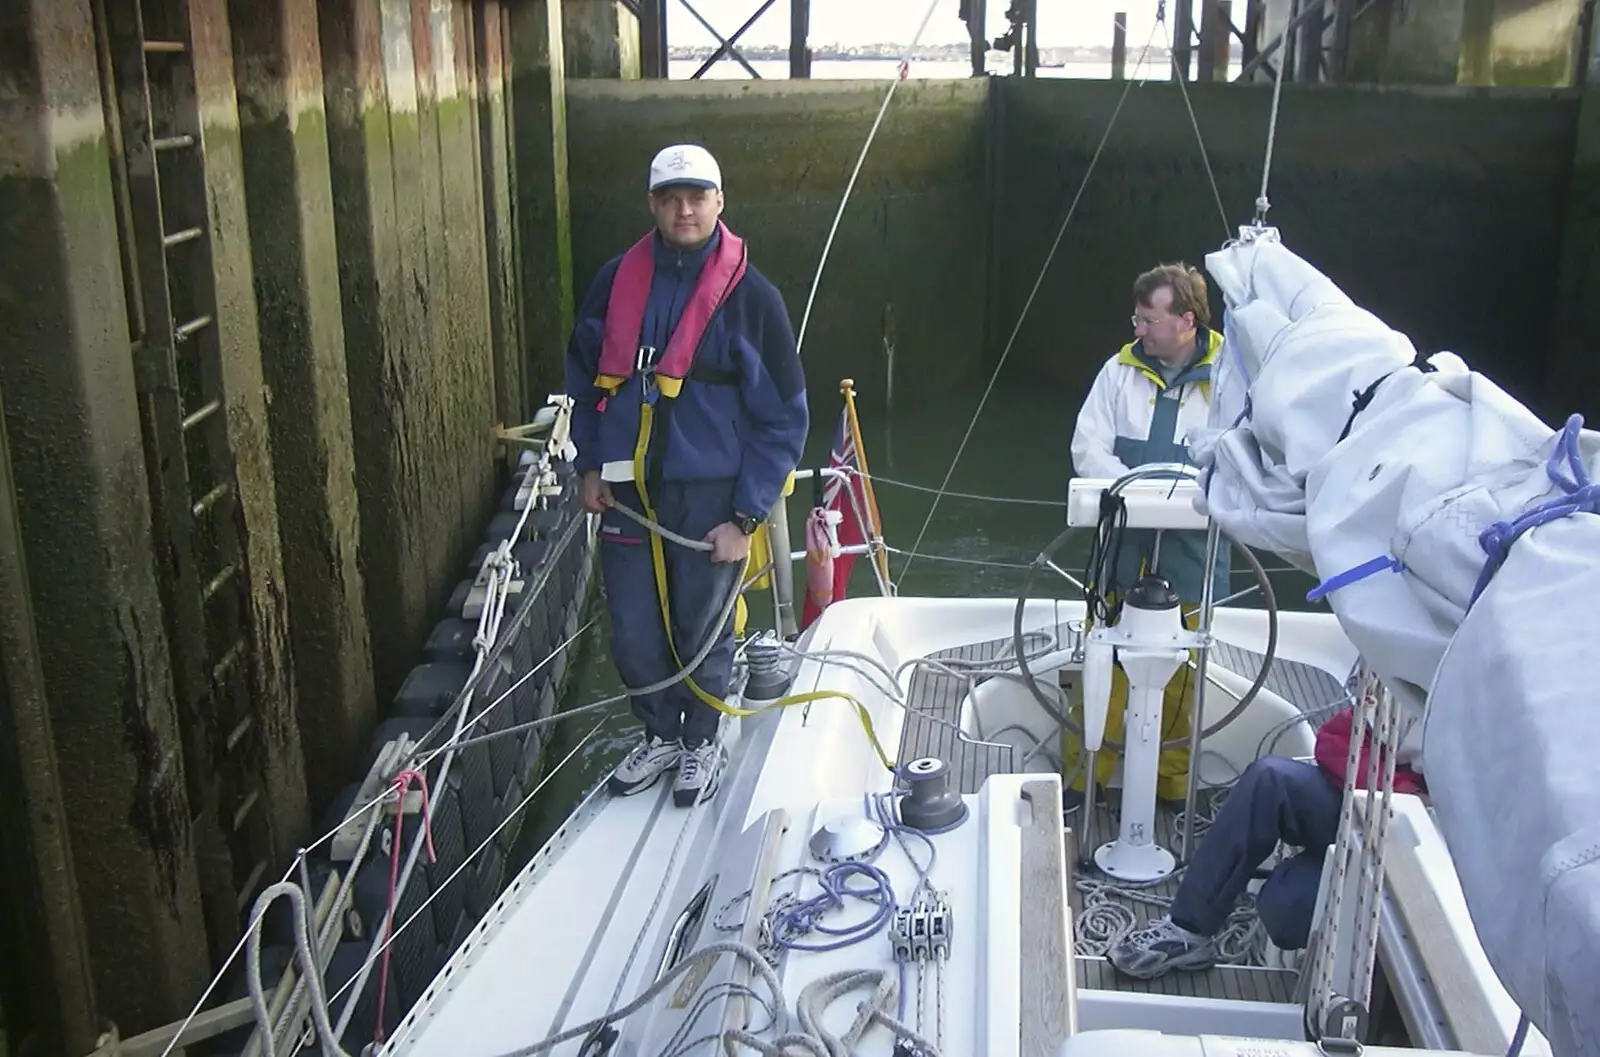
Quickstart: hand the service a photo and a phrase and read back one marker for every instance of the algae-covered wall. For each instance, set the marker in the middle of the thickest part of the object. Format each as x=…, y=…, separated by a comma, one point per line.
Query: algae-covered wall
x=1511, y=43
x=907, y=265
x=407, y=214
x=1572, y=383
x=1440, y=210
x=359, y=204
x=72, y=423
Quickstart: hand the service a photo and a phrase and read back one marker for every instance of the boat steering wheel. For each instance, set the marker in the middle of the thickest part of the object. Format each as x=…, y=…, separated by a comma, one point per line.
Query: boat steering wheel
x=1045, y=560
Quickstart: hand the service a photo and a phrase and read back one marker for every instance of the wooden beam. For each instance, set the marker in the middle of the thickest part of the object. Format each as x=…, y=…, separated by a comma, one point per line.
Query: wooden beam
x=799, y=39
x=1048, y=1011
x=1119, y=46
x=1182, y=38
x=1216, y=38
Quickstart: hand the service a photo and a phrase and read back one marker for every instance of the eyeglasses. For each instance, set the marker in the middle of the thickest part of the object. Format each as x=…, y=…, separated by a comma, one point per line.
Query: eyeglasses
x=1138, y=320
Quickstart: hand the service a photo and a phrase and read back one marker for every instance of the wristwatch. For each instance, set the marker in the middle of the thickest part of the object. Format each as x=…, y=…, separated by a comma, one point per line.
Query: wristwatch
x=746, y=523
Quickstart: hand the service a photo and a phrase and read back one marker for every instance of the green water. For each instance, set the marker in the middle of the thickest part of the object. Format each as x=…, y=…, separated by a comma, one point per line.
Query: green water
x=1018, y=449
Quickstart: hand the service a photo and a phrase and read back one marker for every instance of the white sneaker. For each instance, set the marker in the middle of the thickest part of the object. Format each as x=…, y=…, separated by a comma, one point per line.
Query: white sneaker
x=697, y=775
x=1161, y=947
x=649, y=760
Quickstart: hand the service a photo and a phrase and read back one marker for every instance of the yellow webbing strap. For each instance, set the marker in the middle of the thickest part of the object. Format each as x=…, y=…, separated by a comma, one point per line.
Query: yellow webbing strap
x=658, y=560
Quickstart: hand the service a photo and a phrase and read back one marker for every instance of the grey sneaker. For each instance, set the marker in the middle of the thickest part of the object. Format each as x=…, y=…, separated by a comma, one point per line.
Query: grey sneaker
x=649, y=760
x=697, y=775
x=1161, y=947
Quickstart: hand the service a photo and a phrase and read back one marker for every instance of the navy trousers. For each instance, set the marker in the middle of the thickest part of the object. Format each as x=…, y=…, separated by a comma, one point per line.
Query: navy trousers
x=1275, y=799
x=697, y=589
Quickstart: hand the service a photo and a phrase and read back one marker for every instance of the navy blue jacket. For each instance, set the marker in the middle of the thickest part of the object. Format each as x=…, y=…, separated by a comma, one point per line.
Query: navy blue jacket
x=742, y=412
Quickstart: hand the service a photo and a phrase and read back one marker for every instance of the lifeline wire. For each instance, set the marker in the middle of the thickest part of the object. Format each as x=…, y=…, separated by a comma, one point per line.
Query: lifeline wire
x=466, y=861
x=1037, y=283
x=816, y=280
x=366, y=809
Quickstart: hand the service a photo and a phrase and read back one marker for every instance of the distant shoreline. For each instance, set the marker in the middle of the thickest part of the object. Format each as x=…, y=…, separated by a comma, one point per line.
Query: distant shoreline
x=891, y=53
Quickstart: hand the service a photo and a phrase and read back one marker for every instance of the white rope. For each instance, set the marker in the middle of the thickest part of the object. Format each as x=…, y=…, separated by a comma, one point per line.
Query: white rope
x=1262, y=205
x=466, y=861
x=1372, y=718
x=486, y=644
x=310, y=972
x=816, y=280
x=254, y=925
x=503, y=569
x=1105, y=919
x=1032, y=294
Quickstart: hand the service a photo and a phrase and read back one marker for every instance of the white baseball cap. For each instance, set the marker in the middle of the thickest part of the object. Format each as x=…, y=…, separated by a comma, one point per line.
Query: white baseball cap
x=685, y=164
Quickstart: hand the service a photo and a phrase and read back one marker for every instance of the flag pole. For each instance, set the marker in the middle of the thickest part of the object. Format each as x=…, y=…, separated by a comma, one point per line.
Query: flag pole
x=880, y=556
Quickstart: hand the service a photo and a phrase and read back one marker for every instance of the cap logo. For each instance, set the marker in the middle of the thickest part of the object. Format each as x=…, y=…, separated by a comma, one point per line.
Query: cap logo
x=677, y=161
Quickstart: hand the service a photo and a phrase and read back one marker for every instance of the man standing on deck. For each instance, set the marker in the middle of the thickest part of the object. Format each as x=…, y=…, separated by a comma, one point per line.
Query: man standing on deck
x=1143, y=405
x=691, y=410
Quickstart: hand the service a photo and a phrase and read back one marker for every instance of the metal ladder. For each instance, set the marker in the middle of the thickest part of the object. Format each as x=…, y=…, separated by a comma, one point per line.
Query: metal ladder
x=160, y=172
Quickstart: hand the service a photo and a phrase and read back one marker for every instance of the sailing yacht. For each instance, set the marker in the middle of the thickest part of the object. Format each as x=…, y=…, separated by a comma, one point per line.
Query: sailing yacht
x=886, y=866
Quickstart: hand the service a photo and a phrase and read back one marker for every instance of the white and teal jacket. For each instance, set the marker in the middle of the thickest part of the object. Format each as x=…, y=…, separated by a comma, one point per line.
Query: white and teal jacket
x=1133, y=417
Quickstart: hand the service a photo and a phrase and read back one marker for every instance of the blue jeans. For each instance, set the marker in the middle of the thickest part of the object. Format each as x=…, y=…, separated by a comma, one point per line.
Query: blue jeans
x=1276, y=799
x=697, y=589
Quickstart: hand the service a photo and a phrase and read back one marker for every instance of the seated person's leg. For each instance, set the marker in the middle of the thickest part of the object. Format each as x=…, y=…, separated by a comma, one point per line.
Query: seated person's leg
x=1276, y=799
x=1288, y=898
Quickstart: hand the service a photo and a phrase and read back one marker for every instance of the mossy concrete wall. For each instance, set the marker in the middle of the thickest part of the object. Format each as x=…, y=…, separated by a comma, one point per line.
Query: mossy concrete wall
x=73, y=427
x=277, y=756
x=360, y=198
x=491, y=58
x=1440, y=210
x=1511, y=43
x=600, y=39
x=1534, y=42
x=542, y=204
x=283, y=134
x=906, y=268
x=400, y=100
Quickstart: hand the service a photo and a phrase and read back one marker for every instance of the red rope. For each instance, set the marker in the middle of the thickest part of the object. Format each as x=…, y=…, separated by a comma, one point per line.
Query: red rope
x=401, y=785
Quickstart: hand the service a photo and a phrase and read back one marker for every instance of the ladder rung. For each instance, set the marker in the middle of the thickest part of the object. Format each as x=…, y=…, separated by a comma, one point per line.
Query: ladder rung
x=200, y=414
x=245, y=808
x=236, y=735
x=218, y=582
x=165, y=47
x=247, y=891
x=204, y=504
x=172, y=142
x=185, y=330
x=229, y=659
x=178, y=238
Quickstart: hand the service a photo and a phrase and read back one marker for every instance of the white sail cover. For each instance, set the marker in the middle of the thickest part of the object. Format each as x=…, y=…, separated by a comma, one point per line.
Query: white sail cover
x=1512, y=723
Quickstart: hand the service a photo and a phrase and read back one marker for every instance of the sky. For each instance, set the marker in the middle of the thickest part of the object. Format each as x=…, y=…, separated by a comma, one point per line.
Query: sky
x=1061, y=22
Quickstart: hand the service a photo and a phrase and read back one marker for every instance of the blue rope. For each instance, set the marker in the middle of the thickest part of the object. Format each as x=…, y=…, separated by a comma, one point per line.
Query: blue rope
x=1350, y=576
x=806, y=915
x=1518, y=1037
x=1581, y=497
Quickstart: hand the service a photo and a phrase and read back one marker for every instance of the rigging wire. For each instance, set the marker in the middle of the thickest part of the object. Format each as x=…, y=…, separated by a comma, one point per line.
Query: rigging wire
x=816, y=279
x=1194, y=123
x=1034, y=293
x=1262, y=204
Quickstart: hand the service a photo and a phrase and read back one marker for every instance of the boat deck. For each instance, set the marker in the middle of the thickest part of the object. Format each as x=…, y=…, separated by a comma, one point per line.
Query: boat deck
x=934, y=701
x=930, y=730
x=934, y=712
x=1245, y=983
